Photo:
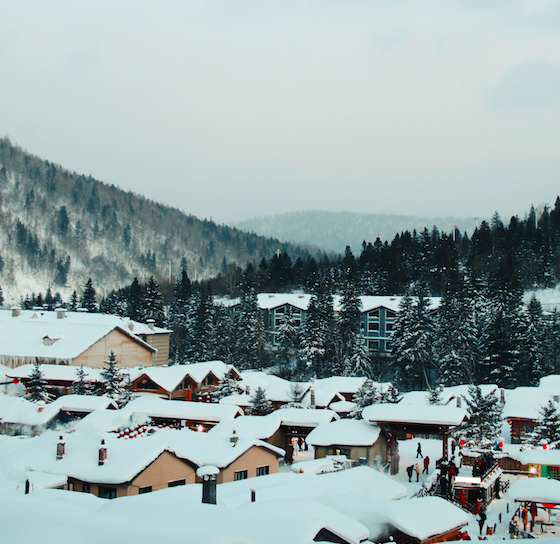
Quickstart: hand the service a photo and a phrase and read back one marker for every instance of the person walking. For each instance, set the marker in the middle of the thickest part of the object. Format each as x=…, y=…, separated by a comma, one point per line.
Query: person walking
x=419, y=451
x=417, y=469
x=409, y=471
x=426, y=464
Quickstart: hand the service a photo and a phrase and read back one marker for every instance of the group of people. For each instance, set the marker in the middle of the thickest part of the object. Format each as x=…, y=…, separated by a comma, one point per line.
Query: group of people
x=415, y=468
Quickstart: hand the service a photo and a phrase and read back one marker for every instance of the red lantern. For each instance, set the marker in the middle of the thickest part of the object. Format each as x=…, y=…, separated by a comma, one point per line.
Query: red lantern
x=461, y=442
x=548, y=505
x=500, y=445
x=544, y=446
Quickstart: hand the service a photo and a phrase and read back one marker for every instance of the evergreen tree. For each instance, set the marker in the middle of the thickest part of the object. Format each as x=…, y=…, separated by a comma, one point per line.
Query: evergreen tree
x=260, y=405
x=135, y=306
x=347, y=329
x=37, y=386
x=548, y=429
x=223, y=334
x=74, y=301
x=80, y=386
x=484, y=425
x=288, y=343
x=1, y=297
x=366, y=395
x=532, y=364
x=317, y=336
x=434, y=397
x=226, y=386
x=178, y=319
x=455, y=344
x=249, y=332
x=113, y=380
x=153, y=303
x=88, y=297
x=200, y=326
x=412, y=343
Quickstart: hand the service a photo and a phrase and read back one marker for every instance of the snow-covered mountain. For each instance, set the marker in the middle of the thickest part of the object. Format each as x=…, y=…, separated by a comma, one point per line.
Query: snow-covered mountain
x=333, y=231
x=58, y=228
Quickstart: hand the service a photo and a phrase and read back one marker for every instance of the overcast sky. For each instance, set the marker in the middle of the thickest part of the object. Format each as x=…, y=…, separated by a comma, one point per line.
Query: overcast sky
x=233, y=109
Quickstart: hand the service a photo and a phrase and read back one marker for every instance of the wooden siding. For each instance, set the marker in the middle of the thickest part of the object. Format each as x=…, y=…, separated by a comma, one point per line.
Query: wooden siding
x=128, y=352
x=161, y=343
x=249, y=461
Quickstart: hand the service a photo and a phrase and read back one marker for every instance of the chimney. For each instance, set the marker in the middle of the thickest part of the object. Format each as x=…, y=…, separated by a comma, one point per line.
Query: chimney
x=41, y=407
x=556, y=398
x=208, y=475
x=60, y=448
x=312, y=389
x=15, y=312
x=151, y=323
x=502, y=396
x=102, y=453
x=248, y=389
x=60, y=313
x=253, y=495
x=458, y=402
x=131, y=326
x=233, y=439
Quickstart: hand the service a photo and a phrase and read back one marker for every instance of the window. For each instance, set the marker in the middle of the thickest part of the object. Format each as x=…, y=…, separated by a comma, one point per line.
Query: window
x=373, y=326
x=387, y=345
x=86, y=488
x=107, y=492
x=240, y=475
x=145, y=489
x=391, y=315
x=148, y=384
x=373, y=345
x=373, y=313
x=263, y=471
x=176, y=483
x=389, y=327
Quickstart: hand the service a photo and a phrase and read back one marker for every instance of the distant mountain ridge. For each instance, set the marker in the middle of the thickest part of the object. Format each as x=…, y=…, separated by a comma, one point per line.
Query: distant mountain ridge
x=58, y=228
x=333, y=231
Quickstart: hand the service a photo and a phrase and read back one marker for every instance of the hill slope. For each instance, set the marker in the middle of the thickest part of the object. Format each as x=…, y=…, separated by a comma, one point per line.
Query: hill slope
x=57, y=228
x=333, y=231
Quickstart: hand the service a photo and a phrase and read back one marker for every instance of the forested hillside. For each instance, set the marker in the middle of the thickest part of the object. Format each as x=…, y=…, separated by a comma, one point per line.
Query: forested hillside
x=57, y=228
x=335, y=230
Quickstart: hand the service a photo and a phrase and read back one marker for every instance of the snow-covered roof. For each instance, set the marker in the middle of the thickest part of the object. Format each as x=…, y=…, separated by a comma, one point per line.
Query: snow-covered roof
x=58, y=372
x=537, y=456
x=525, y=402
x=125, y=458
x=276, y=389
x=414, y=414
x=342, y=406
x=535, y=489
x=23, y=336
x=173, y=409
x=342, y=384
x=21, y=411
x=302, y=417
x=199, y=371
x=344, y=432
x=323, y=398
x=242, y=399
x=267, y=301
x=418, y=518
x=261, y=427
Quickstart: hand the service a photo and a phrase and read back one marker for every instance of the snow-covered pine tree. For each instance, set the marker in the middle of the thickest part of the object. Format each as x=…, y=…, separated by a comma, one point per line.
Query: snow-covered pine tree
x=80, y=386
x=287, y=342
x=89, y=301
x=113, y=379
x=200, y=324
x=551, y=343
x=153, y=303
x=366, y=395
x=346, y=331
x=504, y=334
x=532, y=364
x=249, y=332
x=548, y=429
x=455, y=343
x=135, y=302
x=73, y=301
x=484, y=425
x=178, y=319
x=1, y=297
x=434, y=396
x=317, y=334
x=37, y=386
x=412, y=342
x=225, y=387
x=260, y=405
x=223, y=334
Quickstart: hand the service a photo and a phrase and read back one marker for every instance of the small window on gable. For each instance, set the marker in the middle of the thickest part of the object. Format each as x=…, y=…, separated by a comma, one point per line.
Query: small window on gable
x=374, y=313
x=240, y=475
